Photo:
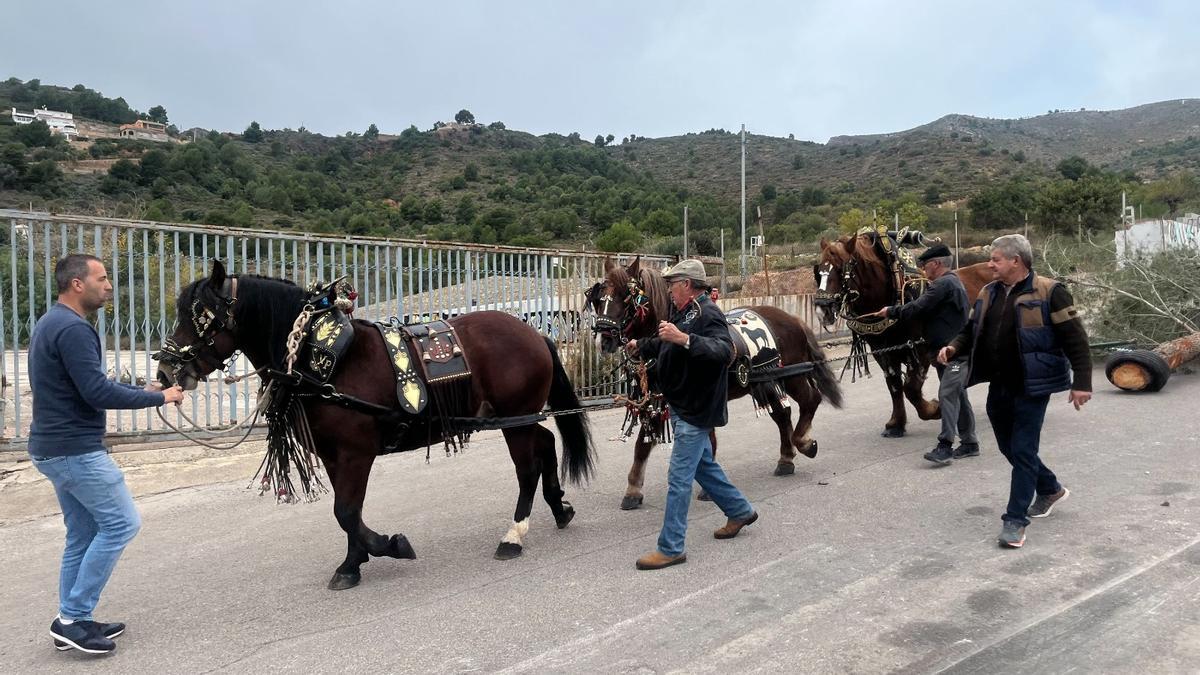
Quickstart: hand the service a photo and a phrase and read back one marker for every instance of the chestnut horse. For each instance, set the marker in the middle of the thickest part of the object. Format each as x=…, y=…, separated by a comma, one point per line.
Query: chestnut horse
x=618, y=320
x=854, y=278
x=515, y=373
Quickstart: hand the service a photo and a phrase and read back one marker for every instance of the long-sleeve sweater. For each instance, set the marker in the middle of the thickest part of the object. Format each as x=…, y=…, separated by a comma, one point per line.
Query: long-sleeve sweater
x=70, y=390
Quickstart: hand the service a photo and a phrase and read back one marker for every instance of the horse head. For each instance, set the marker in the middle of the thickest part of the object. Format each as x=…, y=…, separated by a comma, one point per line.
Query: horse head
x=205, y=330
x=852, y=278
x=222, y=314
x=628, y=303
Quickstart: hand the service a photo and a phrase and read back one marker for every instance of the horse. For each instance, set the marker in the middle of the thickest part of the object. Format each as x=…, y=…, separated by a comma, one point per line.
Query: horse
x=854, y=277
x=515, y=372
x=621, y=316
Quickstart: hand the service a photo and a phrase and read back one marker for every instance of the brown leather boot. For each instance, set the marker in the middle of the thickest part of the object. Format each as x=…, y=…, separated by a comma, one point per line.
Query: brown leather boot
x=658, y=560
x=735, y=525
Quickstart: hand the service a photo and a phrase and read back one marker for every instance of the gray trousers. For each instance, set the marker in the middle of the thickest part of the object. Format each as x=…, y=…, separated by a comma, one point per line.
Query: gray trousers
x=957, y=414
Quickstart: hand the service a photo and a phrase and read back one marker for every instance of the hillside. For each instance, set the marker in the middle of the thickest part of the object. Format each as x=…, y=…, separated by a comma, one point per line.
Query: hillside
x=489, y=184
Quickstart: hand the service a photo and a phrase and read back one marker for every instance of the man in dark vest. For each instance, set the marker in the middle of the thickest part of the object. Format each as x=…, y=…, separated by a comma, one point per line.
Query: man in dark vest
x=693, y=352
x=942, y=311
x=1025, y=338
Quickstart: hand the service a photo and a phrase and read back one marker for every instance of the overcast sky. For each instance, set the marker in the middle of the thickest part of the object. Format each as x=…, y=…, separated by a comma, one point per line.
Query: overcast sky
x=810, y=68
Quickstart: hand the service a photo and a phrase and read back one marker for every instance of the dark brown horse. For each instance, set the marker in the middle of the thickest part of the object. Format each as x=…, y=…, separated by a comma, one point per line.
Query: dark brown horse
x=629, y=303
x=855, y=278
x=515, y=372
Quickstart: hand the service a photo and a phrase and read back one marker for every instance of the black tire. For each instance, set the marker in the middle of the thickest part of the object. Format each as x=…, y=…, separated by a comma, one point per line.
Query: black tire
x=1154, y=364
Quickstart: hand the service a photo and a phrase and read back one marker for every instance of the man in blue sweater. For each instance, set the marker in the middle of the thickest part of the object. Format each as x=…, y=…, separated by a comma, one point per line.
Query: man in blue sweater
x=70, y=395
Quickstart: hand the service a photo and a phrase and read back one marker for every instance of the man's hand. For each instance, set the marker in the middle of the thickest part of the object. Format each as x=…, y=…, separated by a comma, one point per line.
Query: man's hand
x=670, y=333
x=631, y=347
x=877, y=314
x=173, y=395
x=945, y=354
x=1078, y=398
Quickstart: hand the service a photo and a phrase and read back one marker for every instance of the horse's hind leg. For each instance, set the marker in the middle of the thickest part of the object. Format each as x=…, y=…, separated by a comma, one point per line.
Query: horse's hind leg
x=807, y=399
x=349, y=490
x=637, y=472
x=552, y=490
x=522, y=447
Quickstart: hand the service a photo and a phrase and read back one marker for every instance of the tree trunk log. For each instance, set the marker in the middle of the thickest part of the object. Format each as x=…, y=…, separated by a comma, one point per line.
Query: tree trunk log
x=1179, y=351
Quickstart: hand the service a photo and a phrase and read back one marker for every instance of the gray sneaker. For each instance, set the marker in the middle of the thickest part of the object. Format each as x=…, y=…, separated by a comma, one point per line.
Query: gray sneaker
x=1044, y=504
x=1012, y=535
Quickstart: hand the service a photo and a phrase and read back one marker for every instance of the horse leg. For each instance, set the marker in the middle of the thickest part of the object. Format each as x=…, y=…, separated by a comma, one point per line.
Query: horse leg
x=522, y=447
x=895, y=384
x=712, y=438
x=637, y=472
x=914, y=384
x=807, y=399
x=552, y=490
x=349, y=480
x=782, y=415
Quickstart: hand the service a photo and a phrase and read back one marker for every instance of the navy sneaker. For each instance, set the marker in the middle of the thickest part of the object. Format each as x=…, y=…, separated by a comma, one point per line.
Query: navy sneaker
x=1012, y=535
x=108, y=630
x=82, y=635
x=966, y=450
x=941, y=455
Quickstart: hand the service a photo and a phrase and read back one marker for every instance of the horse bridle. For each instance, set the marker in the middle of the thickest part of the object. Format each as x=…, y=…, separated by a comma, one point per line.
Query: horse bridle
x=208, y=324
x=637, y=304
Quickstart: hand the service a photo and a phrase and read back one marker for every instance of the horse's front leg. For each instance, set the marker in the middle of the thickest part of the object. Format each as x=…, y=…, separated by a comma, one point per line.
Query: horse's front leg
x=894, y=378
x=637, y=472
x=349, y=477
x=914, y=384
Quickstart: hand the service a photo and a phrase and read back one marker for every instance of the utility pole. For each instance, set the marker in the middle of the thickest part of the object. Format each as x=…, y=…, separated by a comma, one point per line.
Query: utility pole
x=685, y=233
x=743, y=256
x=762, y=244
x=1026, y=224
x=956, y=244
x=722, y=261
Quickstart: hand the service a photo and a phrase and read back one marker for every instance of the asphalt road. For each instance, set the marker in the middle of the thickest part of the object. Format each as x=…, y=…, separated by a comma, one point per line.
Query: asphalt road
x=866, y=560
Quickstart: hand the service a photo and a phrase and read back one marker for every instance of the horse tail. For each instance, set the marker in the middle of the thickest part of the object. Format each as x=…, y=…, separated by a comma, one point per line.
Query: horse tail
x=578, y=451
x=823, y=376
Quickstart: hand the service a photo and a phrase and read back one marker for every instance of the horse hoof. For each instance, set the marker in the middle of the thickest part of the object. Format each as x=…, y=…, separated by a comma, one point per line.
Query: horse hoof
x=564, y=519
x=810, y=451
x=630, y=503
x=341, y=582
x=703, y=496
x=507, y=551
x=782, y=469
x=398, y=547
x=895, y=432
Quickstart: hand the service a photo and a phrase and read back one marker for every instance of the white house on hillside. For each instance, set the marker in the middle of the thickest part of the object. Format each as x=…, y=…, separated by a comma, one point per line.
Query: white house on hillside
x=59, y=122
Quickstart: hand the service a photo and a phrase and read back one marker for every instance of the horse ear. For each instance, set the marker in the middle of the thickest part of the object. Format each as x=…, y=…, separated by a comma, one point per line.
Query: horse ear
x=608, y=265
x=217, y=278
x=824, y=244
x=635, y=267
x=850, y=244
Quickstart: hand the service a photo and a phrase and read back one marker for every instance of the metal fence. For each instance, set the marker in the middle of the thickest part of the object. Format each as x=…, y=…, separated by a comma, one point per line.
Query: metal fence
x=148, y=264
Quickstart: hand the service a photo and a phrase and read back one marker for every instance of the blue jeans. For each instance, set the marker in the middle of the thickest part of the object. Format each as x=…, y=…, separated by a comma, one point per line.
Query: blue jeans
x=692, y=459
x=1017, y=422
x=101, y=519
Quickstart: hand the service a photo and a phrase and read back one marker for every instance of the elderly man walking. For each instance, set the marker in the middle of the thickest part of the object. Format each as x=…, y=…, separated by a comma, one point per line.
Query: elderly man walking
x=942, y=313
x=1025, y=338
x=693, y=353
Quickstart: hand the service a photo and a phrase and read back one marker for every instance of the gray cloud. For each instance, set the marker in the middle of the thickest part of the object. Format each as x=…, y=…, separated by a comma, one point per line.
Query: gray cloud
x=814, y=69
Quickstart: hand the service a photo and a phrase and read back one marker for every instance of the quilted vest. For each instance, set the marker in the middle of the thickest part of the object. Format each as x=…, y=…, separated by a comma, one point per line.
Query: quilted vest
x=1043, y=362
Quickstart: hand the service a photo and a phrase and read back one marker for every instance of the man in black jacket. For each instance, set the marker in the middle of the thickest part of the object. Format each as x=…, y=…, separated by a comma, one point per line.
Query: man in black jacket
x=692, y=353
x=1025, y=338
x=942, y=311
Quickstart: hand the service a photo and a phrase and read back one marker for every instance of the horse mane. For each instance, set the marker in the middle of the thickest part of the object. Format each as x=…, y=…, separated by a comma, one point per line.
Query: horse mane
x=651, y=282
x=266, y=307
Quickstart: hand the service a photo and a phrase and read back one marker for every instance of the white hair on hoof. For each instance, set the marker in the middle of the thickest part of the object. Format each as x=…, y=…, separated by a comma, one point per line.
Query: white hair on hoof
x=516, y=533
